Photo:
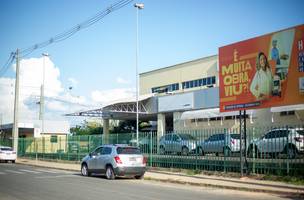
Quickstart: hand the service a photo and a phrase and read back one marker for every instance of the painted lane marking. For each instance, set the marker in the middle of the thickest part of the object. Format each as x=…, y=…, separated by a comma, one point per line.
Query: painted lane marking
x=15, y=172
x=34, y=172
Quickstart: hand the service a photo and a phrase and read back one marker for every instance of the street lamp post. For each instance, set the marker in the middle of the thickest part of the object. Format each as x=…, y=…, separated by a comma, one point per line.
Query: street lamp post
x=41, y=114
x=138, y=6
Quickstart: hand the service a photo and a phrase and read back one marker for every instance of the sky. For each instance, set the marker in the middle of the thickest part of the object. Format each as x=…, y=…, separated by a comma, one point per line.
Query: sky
x=99, y=62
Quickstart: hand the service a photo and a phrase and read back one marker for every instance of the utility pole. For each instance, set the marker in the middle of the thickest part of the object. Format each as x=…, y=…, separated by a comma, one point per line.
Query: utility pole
x=16, y=105
x=41, y=113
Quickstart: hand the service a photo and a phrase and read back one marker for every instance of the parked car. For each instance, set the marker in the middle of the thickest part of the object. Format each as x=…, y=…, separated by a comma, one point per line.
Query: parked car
x=287, y=141
x=145, y=143
x=177, y=143
x=220, y=143
x=114, y=160
x=7, y=154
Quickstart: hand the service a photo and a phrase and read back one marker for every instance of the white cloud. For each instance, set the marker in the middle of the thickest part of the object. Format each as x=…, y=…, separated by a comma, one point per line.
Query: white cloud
x=73, y=82
x=121, y=80
x=31, y=78
x=55, y=106
x=107, y=96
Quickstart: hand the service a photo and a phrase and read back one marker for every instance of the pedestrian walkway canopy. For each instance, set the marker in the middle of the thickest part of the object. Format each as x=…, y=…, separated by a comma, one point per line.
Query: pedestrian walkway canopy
x=125, y=109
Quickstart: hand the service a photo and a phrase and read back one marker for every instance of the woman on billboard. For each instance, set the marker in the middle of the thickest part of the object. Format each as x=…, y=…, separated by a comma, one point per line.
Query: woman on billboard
x=262, y=83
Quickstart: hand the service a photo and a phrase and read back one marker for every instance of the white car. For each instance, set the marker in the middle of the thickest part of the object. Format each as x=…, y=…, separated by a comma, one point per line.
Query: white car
x=277, y=141
x=7, y=154
x=115, y=160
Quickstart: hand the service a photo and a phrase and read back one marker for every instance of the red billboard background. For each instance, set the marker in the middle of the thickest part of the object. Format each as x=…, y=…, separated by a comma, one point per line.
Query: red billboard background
x=262, y=72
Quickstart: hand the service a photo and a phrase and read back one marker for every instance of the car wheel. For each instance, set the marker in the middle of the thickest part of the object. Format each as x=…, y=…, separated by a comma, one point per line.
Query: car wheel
x=13, y=161
x=110, y=173
x=291, y=152
x=85, y=170
x=162, y=150
x=139, y=176
x=185, y=151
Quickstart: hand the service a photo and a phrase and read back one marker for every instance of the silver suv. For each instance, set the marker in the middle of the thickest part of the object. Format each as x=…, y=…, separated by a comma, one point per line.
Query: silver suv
x=220, y=143
x=287, y=141
x=114, y=160
x=177, y=143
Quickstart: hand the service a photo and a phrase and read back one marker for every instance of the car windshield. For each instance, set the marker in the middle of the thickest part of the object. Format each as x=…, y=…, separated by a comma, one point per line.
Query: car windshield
x=301, y=132
x=128, y=150
x=186, y=137
x=6, y=149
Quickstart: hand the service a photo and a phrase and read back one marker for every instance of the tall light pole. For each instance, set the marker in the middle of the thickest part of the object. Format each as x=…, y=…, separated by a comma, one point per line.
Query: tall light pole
x=16, y=105
x=138, y=6
x=41, y=113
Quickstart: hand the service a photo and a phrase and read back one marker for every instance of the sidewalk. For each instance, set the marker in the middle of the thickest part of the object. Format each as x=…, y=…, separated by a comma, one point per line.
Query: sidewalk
x=244, y=184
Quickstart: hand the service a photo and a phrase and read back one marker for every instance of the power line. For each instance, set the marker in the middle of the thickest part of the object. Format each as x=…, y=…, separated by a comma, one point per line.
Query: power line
x=66, y=34
x=7, y=64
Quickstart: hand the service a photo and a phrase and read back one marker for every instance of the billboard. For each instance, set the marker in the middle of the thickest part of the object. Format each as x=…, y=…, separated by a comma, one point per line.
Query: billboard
x=263, y=72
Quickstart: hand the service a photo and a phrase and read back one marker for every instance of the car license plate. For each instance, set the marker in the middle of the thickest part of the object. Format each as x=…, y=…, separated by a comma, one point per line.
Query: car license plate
x=132, y=159
x=8, y=154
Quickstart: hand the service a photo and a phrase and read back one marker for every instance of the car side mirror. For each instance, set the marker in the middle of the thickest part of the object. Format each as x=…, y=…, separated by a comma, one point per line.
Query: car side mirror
x=90, y=154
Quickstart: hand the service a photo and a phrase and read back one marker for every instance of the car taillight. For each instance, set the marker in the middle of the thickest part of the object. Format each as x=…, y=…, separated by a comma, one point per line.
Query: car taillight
x=2, y=152
x=299, y=139
x=117, y=160
x=145, y=160
x=14, y=152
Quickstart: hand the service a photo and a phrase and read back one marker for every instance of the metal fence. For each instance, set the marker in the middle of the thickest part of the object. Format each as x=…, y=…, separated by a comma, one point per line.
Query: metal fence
x=265, y=150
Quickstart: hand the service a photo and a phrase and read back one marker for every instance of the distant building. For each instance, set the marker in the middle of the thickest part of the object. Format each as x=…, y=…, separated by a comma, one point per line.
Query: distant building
x=37, y=128
x=186, y=97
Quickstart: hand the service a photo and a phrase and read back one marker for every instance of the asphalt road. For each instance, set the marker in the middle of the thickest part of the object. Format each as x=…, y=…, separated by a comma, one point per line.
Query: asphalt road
x=21, y=182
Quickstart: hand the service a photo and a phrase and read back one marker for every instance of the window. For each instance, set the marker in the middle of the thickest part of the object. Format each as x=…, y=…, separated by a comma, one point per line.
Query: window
x=187, y=85
x=165, y=88
x=168, y=137
x=191, y=84
x=204, y=81
x=175, y=138
x=208, y=81
x=213, y=81
x=106, y=151
x=128, y=150
x=286, y=113
x=54, y=139
x=186, y=137
x=270, y=135
x=200, y=82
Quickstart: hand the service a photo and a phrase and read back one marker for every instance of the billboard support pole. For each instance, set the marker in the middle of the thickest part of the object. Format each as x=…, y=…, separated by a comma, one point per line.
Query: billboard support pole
x=243, y=143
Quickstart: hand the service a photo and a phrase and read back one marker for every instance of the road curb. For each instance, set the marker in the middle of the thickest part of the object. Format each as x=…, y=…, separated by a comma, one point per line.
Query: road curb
x=298, y=194
x=294, y=194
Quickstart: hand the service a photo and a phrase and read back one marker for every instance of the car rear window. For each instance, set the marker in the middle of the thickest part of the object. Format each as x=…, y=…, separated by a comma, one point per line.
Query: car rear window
x=235, y=136
x=6, y=149
x=128, y=150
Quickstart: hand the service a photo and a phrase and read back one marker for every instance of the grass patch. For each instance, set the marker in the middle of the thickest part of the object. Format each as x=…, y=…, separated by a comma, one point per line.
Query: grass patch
x=286, y=179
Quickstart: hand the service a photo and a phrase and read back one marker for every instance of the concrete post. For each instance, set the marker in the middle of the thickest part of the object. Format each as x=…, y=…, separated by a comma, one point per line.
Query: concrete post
x=161, y=127
x=106, y=131
x=177, y=123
